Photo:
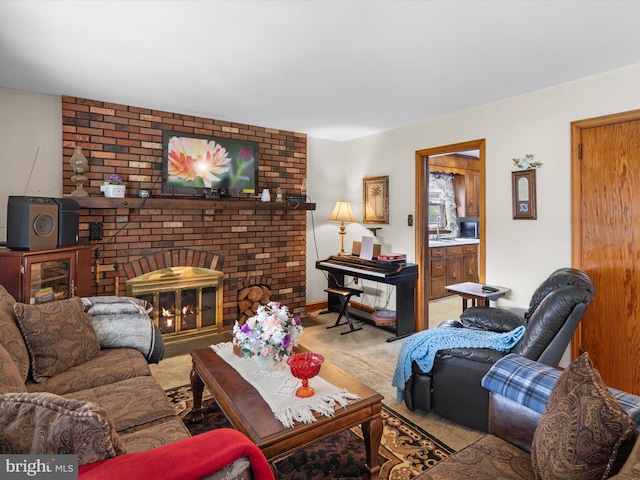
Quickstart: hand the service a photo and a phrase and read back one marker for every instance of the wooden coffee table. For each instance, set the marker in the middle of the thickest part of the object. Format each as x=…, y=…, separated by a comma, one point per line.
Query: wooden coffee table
x=251, y=415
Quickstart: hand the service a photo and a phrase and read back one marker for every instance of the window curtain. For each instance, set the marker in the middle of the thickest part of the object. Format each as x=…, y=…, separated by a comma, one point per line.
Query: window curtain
x=444, y=182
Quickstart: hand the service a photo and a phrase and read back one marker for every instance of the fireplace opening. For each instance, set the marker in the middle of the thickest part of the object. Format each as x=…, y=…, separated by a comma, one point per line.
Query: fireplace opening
x=185, y=300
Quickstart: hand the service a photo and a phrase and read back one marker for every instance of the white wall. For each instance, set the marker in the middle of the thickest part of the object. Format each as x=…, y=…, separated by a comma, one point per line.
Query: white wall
x=520, y=253
x=30, y=126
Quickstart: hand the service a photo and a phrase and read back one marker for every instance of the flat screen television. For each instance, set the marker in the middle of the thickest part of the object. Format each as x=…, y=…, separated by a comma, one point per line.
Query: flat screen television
x=200, y=165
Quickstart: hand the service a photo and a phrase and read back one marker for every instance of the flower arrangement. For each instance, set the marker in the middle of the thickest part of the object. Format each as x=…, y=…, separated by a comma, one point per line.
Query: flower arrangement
x=272, y=332
x=113, y=180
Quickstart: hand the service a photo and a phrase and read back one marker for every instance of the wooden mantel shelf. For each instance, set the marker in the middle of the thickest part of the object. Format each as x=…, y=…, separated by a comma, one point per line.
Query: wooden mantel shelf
x=191, y=203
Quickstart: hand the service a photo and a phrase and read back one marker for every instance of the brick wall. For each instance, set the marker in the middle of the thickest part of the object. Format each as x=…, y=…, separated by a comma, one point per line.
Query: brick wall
x=127, y=141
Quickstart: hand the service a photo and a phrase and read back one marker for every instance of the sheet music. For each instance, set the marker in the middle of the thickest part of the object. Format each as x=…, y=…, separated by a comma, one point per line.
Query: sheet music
x=366, y=252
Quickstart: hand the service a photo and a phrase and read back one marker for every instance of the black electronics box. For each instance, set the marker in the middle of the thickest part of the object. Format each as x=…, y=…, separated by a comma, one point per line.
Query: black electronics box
x=68, y=221
x=40, y=223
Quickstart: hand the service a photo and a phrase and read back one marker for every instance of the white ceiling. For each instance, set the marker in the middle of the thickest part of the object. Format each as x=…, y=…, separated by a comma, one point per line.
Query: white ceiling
x=331, y=69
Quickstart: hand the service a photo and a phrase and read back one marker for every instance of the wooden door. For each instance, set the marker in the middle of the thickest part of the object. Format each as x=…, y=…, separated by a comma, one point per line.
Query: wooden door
x=606, y=243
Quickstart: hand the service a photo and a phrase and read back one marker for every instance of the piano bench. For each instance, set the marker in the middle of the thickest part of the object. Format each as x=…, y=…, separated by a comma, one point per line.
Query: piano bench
x=343, y=291
x=344, y=294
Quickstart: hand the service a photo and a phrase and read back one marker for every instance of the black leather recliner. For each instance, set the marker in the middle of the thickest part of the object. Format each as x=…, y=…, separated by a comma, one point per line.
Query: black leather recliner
x=452, y=388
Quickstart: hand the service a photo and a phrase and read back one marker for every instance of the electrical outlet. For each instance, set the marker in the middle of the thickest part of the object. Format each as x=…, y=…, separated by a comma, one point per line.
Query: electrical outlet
x=95, y=231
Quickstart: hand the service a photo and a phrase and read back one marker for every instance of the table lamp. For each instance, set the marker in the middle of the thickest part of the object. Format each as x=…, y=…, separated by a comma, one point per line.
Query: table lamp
x=342, y=213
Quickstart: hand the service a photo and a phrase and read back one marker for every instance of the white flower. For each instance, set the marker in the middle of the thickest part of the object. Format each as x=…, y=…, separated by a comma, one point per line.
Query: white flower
x=271, y=332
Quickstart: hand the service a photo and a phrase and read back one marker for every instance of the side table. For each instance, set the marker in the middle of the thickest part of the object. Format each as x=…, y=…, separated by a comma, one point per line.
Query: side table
x=473, y=291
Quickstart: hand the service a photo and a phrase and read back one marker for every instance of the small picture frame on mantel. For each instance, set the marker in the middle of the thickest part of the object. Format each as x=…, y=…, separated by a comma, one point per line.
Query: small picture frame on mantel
x=524, y=194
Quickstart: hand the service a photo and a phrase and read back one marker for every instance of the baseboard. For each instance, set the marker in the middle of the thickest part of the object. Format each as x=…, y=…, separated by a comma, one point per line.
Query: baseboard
x=315, y=306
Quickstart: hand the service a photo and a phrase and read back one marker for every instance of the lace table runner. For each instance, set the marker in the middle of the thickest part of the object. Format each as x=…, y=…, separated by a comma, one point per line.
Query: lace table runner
x=278, y=389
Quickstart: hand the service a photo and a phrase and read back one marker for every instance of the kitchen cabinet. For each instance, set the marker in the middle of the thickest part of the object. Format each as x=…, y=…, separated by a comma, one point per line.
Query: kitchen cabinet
x=472, y=193
x=45, y=275
x=450, y=265
x=454, y=265
x=438, y=269
x=470, y=263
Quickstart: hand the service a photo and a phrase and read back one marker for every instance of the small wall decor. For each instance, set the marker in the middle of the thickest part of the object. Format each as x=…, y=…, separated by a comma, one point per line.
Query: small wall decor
x=526, y=162
x=375, y=200
x=524, y=194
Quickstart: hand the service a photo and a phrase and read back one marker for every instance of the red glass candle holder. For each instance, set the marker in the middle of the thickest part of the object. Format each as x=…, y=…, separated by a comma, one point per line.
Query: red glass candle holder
x=305, y=365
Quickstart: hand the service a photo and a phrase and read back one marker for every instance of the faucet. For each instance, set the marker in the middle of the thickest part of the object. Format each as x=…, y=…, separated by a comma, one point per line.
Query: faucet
x=438, y=227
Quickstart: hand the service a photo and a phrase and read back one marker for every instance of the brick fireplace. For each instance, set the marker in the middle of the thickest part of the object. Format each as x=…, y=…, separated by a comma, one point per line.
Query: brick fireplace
x=249, y=240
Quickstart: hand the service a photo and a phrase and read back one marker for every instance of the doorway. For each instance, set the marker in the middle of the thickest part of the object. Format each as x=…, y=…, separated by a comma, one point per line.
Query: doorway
x=423, y=283
x=605, y=212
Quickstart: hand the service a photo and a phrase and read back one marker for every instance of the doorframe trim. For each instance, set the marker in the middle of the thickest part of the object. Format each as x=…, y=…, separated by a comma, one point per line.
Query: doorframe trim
x=423, y=282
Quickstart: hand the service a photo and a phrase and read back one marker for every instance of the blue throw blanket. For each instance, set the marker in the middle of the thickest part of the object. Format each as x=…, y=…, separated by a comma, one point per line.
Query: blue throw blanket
x=422, y=348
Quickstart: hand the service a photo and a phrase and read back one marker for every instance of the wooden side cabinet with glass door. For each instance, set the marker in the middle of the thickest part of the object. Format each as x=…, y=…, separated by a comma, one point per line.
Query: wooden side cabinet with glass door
x=44, y=275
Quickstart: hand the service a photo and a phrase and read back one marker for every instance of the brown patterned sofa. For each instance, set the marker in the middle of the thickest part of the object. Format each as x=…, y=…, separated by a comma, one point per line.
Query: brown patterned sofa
x=547, y=424
x=61, y=393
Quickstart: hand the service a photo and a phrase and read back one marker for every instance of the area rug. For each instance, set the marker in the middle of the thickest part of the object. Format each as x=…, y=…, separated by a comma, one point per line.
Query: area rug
x=405, y=452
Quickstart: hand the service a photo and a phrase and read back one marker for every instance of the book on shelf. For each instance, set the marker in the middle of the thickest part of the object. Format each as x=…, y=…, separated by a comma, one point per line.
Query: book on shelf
x=45, y=292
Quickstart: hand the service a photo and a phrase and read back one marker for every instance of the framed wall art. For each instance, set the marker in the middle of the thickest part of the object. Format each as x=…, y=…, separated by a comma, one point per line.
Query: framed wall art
x=375, y=200
x=194, y=164
x=524, y=194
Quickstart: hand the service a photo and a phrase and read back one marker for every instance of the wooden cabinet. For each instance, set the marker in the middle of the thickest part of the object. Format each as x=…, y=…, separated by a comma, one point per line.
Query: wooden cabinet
x=454, y=264
x=472, y=193
x=438, y=268
x=45, y=275
x=451, y=265
x=470, y=263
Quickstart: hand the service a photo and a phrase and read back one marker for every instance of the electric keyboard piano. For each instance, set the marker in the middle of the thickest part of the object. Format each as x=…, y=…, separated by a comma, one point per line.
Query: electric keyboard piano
x=386, y=272
x=401, y=275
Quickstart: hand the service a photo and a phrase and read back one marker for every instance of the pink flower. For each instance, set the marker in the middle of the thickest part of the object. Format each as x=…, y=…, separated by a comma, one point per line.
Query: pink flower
x=245, y=155
x=193, y=157
x=272, y=332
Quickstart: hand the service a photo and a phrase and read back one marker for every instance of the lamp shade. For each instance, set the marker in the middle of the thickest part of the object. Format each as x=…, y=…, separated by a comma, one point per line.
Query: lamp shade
x=342, y=213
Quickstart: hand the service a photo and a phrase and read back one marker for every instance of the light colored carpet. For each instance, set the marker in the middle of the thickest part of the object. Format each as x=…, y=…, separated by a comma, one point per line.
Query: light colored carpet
x=446, y=308
x=363, y=354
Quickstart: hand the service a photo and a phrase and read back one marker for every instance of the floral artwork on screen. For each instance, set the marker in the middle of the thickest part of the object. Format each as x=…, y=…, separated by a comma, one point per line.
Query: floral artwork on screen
x=193, y=162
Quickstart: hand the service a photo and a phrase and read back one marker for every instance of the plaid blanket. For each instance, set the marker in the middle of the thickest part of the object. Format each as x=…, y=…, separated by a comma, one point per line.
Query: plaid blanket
x=529, y=383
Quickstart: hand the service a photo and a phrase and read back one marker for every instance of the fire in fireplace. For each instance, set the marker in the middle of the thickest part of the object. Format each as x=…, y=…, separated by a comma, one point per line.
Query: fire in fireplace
x=184, y=299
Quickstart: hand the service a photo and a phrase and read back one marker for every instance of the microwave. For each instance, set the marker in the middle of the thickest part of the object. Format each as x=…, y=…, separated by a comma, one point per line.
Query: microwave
x=468, y=227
